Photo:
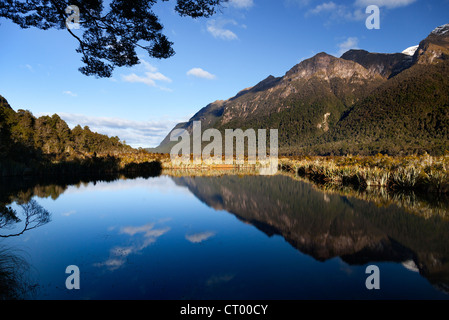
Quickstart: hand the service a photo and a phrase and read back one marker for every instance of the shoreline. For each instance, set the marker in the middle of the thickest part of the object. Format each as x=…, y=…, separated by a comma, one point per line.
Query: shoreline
x=424, y=173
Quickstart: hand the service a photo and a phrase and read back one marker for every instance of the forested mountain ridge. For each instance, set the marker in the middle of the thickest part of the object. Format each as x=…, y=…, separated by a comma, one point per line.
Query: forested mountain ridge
x=362, y=103
x=51, y=135
x=31, y=145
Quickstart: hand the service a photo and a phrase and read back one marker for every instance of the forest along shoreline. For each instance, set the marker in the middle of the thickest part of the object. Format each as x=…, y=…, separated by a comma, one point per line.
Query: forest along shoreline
x=419, y=184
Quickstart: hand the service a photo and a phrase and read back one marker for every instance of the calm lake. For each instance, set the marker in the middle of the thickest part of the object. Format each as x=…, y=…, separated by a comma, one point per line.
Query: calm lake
x=229, y=237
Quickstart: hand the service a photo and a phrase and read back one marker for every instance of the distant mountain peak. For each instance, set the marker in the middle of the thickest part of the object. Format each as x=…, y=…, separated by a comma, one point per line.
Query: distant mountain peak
x=384, y=64
x=352, y=51
x=326, y=66
x=435, y=48
x=411, y=50
x=441, y=30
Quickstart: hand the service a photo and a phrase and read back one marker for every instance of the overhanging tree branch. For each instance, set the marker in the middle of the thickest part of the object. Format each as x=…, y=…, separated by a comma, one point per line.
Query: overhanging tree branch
x=109, y=38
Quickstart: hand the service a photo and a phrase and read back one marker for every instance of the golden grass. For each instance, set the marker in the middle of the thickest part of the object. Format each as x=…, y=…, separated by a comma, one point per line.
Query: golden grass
x=423, y=173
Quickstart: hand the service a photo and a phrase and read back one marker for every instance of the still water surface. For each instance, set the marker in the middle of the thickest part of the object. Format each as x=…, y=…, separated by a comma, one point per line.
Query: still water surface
x=227, y=237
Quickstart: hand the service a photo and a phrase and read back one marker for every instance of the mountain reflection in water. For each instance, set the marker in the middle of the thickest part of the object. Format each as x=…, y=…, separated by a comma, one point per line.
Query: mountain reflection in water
x=322, y=225
x=325, y=226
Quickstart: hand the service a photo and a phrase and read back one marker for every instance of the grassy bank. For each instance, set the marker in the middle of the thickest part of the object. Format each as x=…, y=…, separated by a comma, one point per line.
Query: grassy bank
x=418, y=173
x=409, y=173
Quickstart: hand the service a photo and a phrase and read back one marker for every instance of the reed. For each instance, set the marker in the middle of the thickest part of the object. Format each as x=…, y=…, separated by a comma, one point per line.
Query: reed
x=423, y=173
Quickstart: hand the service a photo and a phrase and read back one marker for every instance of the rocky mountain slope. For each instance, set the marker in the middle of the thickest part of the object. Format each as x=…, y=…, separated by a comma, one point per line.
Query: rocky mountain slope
x=386, y=65
x=360, y=103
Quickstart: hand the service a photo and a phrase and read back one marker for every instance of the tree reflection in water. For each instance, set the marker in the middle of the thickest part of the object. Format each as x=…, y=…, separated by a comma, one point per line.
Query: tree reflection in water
x=34, y=216
x=15, y=282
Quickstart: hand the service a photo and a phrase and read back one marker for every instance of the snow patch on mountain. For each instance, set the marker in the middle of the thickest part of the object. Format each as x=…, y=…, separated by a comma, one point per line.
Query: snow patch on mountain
x=410, y=51
x=441, y=30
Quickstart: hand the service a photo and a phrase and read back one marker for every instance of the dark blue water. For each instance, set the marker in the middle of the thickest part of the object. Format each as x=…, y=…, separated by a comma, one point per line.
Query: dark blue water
x=218, y=238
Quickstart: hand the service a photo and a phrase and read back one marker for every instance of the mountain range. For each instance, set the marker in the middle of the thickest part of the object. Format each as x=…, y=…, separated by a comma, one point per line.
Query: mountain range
x=361, y=103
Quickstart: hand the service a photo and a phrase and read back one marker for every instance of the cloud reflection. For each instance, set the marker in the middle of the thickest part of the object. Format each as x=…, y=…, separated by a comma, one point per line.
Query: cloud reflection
x=199, y=237
x=118, y=255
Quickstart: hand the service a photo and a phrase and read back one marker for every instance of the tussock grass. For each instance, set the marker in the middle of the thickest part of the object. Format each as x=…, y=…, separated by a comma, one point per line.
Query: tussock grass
x=424, y=173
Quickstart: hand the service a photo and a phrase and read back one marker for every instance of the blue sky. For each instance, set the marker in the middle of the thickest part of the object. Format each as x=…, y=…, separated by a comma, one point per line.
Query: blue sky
x=241, y=45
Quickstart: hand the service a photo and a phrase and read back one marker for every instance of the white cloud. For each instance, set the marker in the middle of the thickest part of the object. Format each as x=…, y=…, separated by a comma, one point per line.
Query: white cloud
x=337, y=12
x=352, y=12
x=70, y=93
x=327, y=6
x=149, y=77
x=390, y=4
x=147, y=66
x=200, y=73
x=349, y=43
x=217, y=28
x=245, y=4
x=135, y=133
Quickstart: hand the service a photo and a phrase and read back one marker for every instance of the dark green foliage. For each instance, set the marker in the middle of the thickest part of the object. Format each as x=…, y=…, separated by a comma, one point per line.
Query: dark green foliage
x=409, y=114
x=51, y=136
x=5, y=133
x=47, y=145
